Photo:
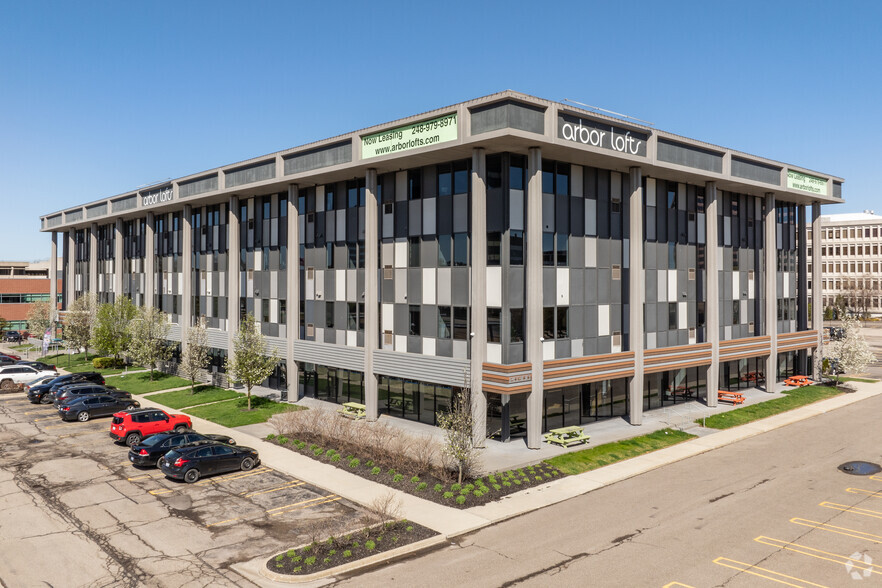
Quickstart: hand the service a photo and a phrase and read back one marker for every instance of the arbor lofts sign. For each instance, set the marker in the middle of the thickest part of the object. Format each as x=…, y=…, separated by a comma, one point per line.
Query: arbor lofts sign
x=601, y=134
x=157, y=196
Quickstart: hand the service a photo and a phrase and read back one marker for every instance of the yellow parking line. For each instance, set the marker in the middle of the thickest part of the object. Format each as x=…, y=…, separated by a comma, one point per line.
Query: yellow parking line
x=217, y=480
x=289, y=485
x=837, y=530
x=56, y=417
x=165, y=491
x=676, y=585
x=44, y=411
x=221, y=522
x=816, y=553
x=867, y=492
x=845, y=508
x=304, y=505
x=767, y=574
x=877, y=478
x=132, y=479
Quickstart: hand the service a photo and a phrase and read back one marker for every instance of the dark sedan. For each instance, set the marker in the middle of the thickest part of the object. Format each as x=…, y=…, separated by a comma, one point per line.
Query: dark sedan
x=86, y=389
x=86, y=407
x=204, y=459
x=38, y=365
x=46, y=392
x=149, y=452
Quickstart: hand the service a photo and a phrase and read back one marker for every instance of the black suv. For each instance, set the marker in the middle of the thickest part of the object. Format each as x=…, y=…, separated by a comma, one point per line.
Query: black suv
x=46, y=392
x=150, y=451
x=191, y=462
x=65, y=393
x=83, y=408
x=12, y=337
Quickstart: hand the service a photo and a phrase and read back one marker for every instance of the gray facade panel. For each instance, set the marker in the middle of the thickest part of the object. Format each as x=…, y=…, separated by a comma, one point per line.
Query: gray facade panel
x=507, y=114
x=251, y=174
x=754, y=170
x=97, y=210
x=425, y=368
x=689, y=156
x=343, y=356
x=318, y=158
x=200, y=186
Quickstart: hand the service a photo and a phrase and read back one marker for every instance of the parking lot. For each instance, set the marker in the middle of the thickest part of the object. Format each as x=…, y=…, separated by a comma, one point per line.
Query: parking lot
x=68, y=489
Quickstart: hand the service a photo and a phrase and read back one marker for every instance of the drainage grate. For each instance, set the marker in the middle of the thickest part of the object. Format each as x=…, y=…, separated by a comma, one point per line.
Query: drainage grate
x=860, y=468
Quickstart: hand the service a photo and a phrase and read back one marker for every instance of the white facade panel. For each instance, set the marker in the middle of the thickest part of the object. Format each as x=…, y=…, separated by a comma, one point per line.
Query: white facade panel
x=429, y=287
x=603, y=320
x=563, y=286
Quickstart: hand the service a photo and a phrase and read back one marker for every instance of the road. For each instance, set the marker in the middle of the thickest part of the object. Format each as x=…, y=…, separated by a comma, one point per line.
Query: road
x=770, y=510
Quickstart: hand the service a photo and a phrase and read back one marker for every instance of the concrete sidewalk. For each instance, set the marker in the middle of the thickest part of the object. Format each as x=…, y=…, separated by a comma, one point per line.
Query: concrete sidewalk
x=451, y=522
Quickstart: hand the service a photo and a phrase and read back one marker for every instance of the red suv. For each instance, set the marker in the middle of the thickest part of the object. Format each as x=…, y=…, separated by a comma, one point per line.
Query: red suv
x=134, y=425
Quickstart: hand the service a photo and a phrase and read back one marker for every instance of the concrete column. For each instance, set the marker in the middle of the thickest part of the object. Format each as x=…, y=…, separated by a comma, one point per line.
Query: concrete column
x=636, y=293
x=93, y=258
x=293, y=280
x=712, y=291
x=233, y=273
x=817, y=292
x=533, y=298
x=118, y=261
x=371, y=294
x=801, y=286
x=53, y=281
x=478, y=324
x=187, y=289
x=71, y=271
x=150, y=262
x=770, y=277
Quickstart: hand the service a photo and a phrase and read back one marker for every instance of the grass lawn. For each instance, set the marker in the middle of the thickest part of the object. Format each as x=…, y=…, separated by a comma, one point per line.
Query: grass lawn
x=140, y=383
x=603, y=455
x=233, y=413
x=865, y=380
x=794, y=398
x=181, y=398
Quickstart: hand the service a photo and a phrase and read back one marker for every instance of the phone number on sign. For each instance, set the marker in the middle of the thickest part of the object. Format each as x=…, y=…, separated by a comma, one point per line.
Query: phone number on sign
x=433, y=124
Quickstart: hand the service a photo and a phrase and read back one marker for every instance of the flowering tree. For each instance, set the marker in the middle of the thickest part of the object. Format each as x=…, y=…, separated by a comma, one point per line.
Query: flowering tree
x=851, y=352
x=148, y=338
x=457, y=425
x=195, y=357
x=79, y=322
x=250, y=364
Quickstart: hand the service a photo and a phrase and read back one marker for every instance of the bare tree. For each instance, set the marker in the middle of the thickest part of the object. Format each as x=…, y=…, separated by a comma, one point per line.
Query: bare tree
x=195, y=357
x=148, y=338
x=250, y=363
x=458, y=425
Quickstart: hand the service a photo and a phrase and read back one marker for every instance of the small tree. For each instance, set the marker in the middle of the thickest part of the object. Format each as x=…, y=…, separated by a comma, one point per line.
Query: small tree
x=195, y=357
x=111, y=331
x=148, y=338
x=3, y=325
x=80, y=322
x=39, y=317
x=459, y=443
x=851, y=352
x=250, y=364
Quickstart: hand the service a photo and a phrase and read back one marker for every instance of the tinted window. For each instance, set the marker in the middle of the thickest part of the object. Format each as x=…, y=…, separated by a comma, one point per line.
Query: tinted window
x=204, y=452
x=149, y=441
x=105, y=399
x=222, y=450
x=89, y=401
x=191, y=438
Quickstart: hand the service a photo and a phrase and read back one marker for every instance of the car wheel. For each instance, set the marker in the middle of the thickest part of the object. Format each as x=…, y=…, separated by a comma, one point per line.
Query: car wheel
x=7, y=384
x=158, y=463
x=133, y=439
x=83, y=416
x=180, y=429
x=247, y=464
x=191, y=476
x=44, y=399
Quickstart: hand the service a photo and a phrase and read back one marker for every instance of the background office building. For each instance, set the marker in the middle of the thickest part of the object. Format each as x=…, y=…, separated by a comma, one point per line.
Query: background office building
x=850, y=262
x=22, y=284
x=565, y=265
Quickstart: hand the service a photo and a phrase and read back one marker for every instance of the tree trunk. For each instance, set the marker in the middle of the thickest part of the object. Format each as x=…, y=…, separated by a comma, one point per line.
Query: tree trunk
x=249, y=398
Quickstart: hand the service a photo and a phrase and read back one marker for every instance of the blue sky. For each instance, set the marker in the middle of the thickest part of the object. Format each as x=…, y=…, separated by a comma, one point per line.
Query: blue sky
x=98, y=98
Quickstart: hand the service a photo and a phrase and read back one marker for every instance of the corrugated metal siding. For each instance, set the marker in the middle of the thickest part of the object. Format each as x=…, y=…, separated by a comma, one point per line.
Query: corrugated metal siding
x=127, y=203
x=425, y=368
x=96, y=211
x=216, y=338
x=753, y=170
x=343, y=356
x=689, y=156
x=280, y=346
x=174, y=333
x=507, y=114
x=199, y=186
x=318, y=158
x=251, y=174
x=72, y=216
x=53, y=221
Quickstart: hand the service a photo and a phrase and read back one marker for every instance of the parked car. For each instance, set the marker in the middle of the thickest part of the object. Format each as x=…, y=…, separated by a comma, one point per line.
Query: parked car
x=65, y=393
x=798, y=381
x=12, y=337
x=133, y=426
x=38, y=365
x=39, y=382
x=16, y=376
x=191, y=462
x=149, y=451
x=46, y=392
x=83, y=408
x=11, y=356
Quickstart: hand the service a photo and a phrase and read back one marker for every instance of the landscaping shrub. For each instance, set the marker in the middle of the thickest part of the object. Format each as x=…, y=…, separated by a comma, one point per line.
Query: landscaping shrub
x=106, y=363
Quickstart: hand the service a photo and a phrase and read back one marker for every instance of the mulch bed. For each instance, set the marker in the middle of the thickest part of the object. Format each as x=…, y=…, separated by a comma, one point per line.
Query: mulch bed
x=336, y=551
x=473, y=492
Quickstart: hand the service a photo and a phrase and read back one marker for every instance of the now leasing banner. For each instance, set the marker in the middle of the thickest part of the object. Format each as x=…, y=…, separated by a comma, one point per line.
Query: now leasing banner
x=429, y=132
x=806, y=183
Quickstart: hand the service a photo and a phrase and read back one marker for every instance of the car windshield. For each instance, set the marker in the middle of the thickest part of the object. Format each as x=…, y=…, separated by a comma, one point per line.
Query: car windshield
x=151, y=441
x=37, y=382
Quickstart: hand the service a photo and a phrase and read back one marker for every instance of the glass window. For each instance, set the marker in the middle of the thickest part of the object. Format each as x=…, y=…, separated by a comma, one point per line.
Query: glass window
x=329, y=199
x=736, y=312
x=562, y=247
x=672, y=315
x=460, y=249
x=329, y=315
x=283, y=312
x=516, y=248
x=329, y=254
x=672, y=255
x=444, y=322
x=445, y=181
x=265, y=310
x=516, y=173
x=414, y=310
x=494, y=325
x=460, y=323
x=414, y=185
x=494, y=248
x=352, y=316
x=547, y=248
x=548, y=322
x=517, y=325
x=413, y=252
x=352, y=251
x=444, y=250
x=562, y=331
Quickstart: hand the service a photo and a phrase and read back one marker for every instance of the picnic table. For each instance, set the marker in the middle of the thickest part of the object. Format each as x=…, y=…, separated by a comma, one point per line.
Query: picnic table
x=566, y=436
x=733, y=397
x=353, y=410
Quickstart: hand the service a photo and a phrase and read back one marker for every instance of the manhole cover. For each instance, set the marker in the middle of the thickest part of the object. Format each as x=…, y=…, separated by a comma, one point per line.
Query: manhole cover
x=860, y=468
